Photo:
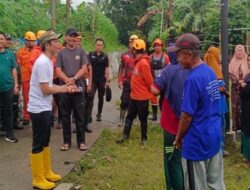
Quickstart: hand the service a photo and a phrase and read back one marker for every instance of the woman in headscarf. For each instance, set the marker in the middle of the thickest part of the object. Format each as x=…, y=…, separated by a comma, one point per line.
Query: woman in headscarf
x=238, y=69
x=212, y=58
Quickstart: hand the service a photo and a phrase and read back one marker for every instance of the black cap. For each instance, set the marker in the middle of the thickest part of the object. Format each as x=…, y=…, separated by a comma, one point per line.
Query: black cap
x=71, y=32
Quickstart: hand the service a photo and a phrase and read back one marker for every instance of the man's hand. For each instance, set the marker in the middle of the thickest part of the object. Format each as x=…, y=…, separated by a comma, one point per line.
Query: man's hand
x=89, y=89
x=16, y=89
x=72, y=89
x=70, y=81
x=120, y=85
x=107, y=84
x=178, y=144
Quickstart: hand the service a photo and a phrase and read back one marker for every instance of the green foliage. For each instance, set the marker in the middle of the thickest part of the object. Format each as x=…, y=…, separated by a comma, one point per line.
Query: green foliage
x=19, y=16
x=125, y=14
x=238, y=18
x=128, y=166
x=93, y=24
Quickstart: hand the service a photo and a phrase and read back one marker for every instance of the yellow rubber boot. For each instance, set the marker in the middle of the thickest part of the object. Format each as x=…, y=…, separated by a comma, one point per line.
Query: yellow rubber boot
x=48, y=173
x=37, y=170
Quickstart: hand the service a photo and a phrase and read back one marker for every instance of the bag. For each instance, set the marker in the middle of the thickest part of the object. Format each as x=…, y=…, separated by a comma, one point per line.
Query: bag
x=108, y=94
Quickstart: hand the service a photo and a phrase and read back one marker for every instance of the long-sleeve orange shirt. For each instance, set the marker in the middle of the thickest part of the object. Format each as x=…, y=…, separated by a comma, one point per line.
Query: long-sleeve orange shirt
x=141, y=79
x=23, y=59
x=35, y=53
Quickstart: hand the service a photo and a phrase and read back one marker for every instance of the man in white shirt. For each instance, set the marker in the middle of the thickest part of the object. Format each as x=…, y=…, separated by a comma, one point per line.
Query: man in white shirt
x=40, y=110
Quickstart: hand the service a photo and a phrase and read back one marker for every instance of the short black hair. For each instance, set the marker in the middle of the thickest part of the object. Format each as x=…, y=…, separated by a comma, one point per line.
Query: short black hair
x=2, y=33
x=99, y=39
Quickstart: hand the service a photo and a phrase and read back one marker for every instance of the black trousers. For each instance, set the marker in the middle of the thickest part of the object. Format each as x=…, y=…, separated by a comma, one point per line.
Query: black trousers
x=16, y=109
x=125, y=97
x=41, y=126
x=100, y=86
x=75, y=102
x=6, y=100
x=140, y=108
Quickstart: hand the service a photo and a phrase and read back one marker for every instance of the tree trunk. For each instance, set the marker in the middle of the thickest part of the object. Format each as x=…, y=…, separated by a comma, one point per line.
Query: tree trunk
x=53, y=13
x=67, y=12
x=169, y=14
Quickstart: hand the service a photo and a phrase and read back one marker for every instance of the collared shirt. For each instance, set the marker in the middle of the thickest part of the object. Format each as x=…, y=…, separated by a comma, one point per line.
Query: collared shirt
x=7, y=63
x=99, y=64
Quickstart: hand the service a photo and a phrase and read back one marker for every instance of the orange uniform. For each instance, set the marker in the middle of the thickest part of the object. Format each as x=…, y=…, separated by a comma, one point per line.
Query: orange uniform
x=141, y=79
x=35, y=53
x=23, y=59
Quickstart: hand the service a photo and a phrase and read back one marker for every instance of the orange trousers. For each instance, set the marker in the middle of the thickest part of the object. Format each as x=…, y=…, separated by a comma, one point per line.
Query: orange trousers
x=25, y=92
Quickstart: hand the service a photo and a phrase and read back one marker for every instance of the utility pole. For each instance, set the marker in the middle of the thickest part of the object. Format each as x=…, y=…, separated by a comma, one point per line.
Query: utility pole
x=67, y=13
x=53, y=11
x=224, y=52
x=162, y=14
x=224, y=40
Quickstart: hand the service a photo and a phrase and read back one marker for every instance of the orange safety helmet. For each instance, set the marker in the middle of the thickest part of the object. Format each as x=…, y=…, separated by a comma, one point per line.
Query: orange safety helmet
x=139, y=44
x=40, y=33
x=133, y=37
x=30, y=36
x=158, y=41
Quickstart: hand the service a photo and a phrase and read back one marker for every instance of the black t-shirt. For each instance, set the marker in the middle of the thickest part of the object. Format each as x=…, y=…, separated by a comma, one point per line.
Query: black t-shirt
x=99, y=64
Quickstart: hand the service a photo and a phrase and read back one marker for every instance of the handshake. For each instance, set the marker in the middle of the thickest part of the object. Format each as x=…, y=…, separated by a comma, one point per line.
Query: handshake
x=71, y=88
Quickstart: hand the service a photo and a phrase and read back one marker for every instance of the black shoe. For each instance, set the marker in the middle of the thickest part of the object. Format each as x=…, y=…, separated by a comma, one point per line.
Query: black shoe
x=88, y=130
x=11, y=139
x=26, y=122
x=98, y=117
x=122, y=140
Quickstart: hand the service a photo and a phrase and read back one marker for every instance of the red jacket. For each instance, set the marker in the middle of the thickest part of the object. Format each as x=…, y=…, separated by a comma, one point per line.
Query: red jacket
x=141, y=79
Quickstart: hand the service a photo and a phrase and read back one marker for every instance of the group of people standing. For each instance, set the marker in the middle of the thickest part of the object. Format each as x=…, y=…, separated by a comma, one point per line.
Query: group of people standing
x=78, y=76
x=192, y=102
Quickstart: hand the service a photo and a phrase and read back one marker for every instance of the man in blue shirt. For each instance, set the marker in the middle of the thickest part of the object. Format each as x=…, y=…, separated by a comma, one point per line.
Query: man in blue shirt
x=199, y=130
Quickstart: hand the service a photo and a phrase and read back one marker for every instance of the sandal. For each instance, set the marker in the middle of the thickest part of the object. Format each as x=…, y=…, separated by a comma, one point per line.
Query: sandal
x=82, y=147
x=65, y=147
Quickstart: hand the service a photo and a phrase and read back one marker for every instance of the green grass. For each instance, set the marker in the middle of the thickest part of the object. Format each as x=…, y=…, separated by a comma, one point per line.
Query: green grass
x=108, y=166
